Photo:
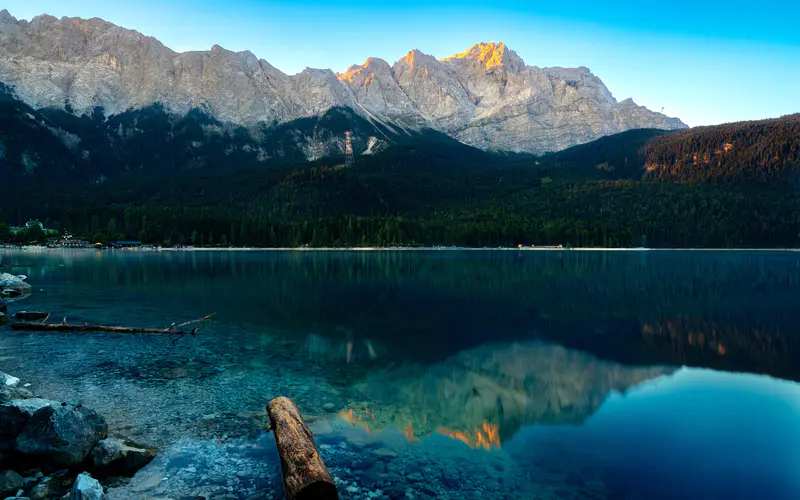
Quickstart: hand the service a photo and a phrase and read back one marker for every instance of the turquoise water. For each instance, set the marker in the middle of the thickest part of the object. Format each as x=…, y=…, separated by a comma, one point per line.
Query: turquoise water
x=474, y=374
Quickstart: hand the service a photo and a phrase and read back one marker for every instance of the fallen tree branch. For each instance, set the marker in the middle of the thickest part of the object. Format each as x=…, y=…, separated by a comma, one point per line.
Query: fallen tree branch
x=65, y=327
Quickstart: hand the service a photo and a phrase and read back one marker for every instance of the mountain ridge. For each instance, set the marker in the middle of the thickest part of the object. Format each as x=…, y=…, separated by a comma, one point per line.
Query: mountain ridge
x=485, y=97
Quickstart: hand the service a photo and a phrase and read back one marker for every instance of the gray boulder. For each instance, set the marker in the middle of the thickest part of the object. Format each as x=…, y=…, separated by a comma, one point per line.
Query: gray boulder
x=10, y=483
x=86, y=488
x=63, y=435
x=117, y=457
x=14, y=416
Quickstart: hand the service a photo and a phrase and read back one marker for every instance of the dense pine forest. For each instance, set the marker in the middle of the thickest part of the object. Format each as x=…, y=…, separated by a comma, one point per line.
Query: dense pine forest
x=727, y=186
x=756, y=152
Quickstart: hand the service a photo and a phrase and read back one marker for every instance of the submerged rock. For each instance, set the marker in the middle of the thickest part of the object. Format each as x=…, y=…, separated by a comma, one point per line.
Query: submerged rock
x=10, y=483
x=8, y=380
x=114, y=456
x=9, y=388
x=8, y=393
x=3, y=318
x=64, y=435
x=3, y=306
x=31, y=315
x=86, y=488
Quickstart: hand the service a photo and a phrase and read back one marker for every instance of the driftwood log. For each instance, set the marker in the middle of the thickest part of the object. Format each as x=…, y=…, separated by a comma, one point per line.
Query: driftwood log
x=65, y=327
x=304, y=474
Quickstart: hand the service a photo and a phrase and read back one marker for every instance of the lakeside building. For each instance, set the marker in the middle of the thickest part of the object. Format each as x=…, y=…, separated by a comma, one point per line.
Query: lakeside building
x=74, y=243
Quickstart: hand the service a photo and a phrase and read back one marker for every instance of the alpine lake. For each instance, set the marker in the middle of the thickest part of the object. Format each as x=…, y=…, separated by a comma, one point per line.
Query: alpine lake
x=434, y=374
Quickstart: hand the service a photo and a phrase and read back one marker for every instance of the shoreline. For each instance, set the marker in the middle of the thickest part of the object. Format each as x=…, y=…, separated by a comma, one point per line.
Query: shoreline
x=404, y=249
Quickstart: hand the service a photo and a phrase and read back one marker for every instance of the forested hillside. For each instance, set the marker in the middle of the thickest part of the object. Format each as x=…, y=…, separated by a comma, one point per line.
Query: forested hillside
x=631, y=189
x=761, y=152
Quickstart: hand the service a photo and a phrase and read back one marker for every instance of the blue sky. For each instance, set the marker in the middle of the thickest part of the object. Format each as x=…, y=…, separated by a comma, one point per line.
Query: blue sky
x=705, y=61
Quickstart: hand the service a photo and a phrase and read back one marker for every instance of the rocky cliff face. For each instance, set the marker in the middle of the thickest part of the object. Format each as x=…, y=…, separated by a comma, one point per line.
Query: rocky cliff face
x=485, y=97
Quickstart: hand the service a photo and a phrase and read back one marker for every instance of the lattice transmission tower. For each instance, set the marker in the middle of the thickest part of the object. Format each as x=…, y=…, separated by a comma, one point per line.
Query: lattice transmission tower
x=349, y=160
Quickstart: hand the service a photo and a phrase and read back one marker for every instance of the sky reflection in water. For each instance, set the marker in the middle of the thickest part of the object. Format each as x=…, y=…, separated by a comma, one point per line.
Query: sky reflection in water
x=693, y=434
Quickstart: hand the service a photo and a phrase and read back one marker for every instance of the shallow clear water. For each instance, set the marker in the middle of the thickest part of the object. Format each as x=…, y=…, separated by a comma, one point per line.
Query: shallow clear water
x=474, y=374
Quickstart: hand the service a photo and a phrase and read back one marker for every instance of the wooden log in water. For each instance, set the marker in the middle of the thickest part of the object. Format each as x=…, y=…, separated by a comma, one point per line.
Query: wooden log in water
x=66, y=327
x=304, y=474
x=56, y=327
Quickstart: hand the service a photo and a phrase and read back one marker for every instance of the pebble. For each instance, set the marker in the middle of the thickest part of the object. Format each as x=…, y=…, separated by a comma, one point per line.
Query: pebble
x=385, y=452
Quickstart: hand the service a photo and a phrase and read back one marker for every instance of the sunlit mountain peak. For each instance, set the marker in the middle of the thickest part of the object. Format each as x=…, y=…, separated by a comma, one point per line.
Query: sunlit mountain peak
x=367, y=70
x=415, y=56
x=489, y=55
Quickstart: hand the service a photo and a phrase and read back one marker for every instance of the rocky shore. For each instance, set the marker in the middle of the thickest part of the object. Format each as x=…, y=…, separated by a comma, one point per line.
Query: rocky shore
x=11, y=288
x=52, y=449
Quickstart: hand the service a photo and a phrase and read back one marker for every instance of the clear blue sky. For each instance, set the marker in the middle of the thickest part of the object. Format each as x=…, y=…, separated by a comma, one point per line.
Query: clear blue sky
x=705, y=61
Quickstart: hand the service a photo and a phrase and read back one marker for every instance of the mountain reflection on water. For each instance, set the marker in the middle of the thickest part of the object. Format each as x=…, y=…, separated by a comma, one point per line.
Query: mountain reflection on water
x=485, y=394
x=534, y=374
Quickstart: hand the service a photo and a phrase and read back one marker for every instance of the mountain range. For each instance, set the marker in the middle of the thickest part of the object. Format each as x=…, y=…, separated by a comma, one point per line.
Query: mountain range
x=107, y=134
x=486, y=97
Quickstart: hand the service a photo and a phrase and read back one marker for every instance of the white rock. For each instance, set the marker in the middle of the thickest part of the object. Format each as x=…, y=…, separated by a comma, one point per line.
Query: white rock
x=11, y=281
x=30, y=405
x=8, y=380
x=86, y=488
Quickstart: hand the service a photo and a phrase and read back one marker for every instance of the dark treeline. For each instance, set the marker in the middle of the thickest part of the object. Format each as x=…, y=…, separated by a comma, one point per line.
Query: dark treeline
x=598, y=213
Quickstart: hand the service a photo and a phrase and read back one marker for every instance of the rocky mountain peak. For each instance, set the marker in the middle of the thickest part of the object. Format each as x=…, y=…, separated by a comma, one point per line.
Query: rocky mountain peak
x=414, y=58
x=489, y=55
x=365, y=73
x=6, y=17
x=485, y=97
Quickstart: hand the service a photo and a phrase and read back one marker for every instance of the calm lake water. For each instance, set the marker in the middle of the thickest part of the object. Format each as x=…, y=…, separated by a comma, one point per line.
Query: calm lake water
x=450, y=374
